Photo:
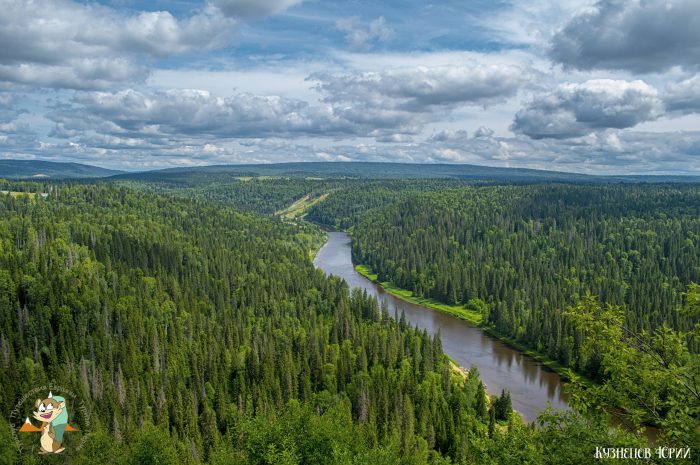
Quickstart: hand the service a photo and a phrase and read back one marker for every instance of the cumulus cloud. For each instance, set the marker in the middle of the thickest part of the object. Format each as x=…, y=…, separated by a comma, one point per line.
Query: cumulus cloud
x=192, y=113
x=530, y=22
x=605, y=152
x=378, y=114
x=11, y=128
x=253, y=9
x=421, y=88
x=404, y=100
x=483, y=132
x=362, y=37
x=575, y=110
x=78, y=73
x=391, y=107
x=132, y=118
x=460, y=135
x=67, y=44
x=683, y=97
x=635, y=35
x=449, y=135
x=394, y=138
x=15, y=134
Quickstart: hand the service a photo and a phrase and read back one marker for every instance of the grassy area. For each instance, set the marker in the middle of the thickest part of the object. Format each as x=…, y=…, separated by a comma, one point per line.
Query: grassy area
x=458, y=371
x=15, y=194
x=257, y=178
x=317, y=244
x=297, y=211
x=474, y=318
x=457, y=311
x=299, y=208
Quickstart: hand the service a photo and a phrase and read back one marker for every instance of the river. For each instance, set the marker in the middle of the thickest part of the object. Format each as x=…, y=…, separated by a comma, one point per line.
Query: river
x=530, y=383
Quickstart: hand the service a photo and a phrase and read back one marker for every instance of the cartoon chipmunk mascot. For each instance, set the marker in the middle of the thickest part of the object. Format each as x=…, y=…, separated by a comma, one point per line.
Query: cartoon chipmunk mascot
x=53, y=414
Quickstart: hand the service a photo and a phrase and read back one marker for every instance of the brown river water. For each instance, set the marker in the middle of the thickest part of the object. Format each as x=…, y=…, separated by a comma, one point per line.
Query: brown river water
x=530, y=383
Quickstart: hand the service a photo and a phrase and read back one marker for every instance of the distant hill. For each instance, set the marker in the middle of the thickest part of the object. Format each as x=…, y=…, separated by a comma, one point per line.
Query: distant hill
x=350, y=170
x=39, y=169
x=367, y=170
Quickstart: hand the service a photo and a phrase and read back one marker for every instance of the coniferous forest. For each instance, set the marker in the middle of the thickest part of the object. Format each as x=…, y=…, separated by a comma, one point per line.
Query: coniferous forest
x=549, y=261
x=193, y=325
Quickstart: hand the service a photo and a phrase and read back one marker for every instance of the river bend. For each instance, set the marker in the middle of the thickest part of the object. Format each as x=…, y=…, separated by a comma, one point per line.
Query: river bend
x=530, y=383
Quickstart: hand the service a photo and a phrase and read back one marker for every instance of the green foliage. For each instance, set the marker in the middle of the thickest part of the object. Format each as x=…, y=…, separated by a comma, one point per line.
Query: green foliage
x=352, y=201
x=101, y=447
x=648, y=378
x=347, y=202
x=570, y=438
x=152, y=446
x=492, y=420
x=202, y=320
x=299, y=435
x=197, y=333
x=502, y=406
x=480, y=406
x=523, y=254
x=8, y=447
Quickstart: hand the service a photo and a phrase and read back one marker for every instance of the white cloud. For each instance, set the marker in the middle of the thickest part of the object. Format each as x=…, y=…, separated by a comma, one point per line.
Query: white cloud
x=483, y=132
x=390, y=106
x=194, y=114
x=81, y=73
x=286, y=81
x=12, y=129
x=531, y=22
x=683, y=97
x=67, y=44
x=363, y=37
x=422, y=88
x=394, y=138
x=635, y=35
x=449, y=135
x=605, y=152
x=575, y=110
x=253, y=9
x=398, y=105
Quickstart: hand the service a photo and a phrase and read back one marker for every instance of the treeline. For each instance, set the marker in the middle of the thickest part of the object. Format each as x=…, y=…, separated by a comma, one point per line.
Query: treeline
x=530, y=252
x=536, y=256
x=200, y=334
x=352, y=201
x=261, y=195
x=349, y=200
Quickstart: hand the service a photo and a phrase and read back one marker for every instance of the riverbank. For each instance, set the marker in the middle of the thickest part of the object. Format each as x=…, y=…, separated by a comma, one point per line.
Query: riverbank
x=475, y=319
x=457, y=311
x=317, y=243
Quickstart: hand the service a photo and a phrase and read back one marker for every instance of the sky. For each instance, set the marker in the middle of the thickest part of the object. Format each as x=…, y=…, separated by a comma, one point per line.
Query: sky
x=599, y=87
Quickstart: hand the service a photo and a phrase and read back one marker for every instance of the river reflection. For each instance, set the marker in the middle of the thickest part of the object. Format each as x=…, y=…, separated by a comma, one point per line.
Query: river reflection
x=531, y=385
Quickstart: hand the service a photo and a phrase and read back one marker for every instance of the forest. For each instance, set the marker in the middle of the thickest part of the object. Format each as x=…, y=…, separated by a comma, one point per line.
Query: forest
x=532, y=254
x=196, y=330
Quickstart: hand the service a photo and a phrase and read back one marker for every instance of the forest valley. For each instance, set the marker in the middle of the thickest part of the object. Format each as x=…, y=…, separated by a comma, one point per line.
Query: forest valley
x=191, y=322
